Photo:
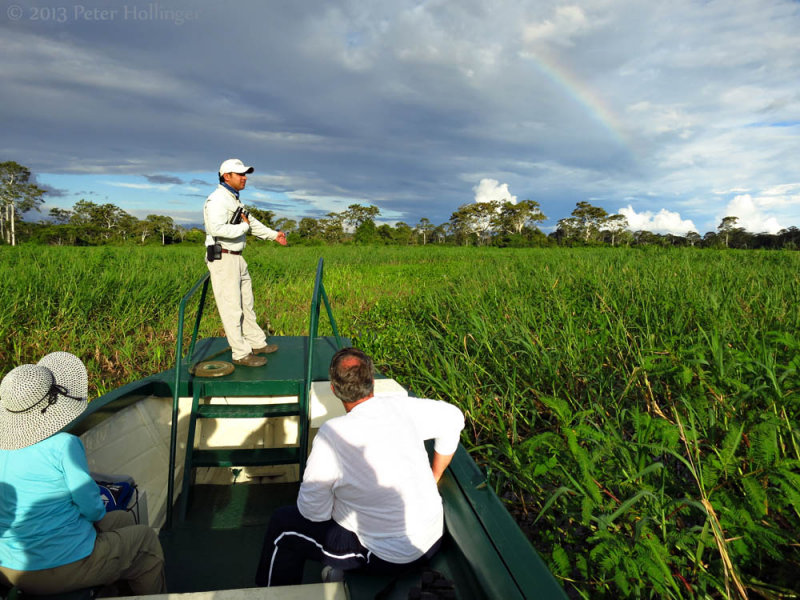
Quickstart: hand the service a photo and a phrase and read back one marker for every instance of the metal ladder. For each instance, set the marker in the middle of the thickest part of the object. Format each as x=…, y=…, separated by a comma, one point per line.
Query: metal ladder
x=291, y=385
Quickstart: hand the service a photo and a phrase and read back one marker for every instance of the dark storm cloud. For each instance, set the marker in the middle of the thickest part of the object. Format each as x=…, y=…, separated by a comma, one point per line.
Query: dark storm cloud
x=51, y=192
x=410, y=105
x=164, y=179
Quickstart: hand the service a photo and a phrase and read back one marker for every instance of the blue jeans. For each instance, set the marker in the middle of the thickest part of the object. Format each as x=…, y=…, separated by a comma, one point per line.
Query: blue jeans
x=291, y=539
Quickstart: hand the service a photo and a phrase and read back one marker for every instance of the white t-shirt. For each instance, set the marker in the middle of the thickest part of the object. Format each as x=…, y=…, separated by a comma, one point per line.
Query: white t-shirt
x=369, y=472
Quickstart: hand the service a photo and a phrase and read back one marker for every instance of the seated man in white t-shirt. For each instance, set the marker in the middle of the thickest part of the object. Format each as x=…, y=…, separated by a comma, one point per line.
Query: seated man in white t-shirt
x=369, y=497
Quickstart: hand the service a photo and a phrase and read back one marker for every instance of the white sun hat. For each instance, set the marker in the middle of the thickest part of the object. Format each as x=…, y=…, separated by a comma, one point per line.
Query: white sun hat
x=39, y=400
x=234, y=165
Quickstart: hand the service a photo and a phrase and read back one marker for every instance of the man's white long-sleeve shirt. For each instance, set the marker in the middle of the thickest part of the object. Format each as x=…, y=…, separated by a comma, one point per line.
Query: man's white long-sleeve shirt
x=369, y=471
x=217, y=212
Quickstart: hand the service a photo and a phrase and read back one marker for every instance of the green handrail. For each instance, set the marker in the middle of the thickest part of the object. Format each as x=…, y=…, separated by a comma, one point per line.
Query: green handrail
x=319, y=293
x=313, y=329
x=173, y=442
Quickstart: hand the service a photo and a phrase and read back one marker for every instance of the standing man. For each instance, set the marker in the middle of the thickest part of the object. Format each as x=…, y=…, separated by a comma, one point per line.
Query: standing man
x=369, y=497
x=230, y=279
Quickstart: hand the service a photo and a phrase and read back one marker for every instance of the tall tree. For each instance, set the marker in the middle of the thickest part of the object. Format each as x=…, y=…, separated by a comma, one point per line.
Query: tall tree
x=461, y=225
x=424, y=227
x=333, y=227
x=590, y=218
x=790, y=238
x=615, y=225
x=60, y=216
x=366, y=233
x=440, y=232
x=646, y=238
x=483, y=213
x=108, y=217
x=567, y=230
x=693, y=238
x=126, y=225
x=266, y=217
x=384, y=233
x=356, y=214
x=474, y=219
x=285, y=225
x=161, y=225
x=17, y=196
x=512, y=218
x=82, y=212
x=584, y=224
x=309, y=228
x=84, y=225
x=726, y=227
x=402, y=233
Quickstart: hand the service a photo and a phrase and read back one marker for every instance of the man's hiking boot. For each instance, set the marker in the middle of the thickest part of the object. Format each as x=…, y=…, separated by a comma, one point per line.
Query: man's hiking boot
x=251, y=360
x=268, y=349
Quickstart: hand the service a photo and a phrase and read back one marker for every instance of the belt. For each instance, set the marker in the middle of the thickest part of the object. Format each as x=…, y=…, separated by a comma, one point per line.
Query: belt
x=231, y=251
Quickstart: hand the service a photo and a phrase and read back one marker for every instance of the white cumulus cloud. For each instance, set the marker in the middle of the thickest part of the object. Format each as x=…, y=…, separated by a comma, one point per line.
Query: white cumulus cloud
x=751, y=217
x=787, y=194
x=491, y=189
x=566, y=23
x=664, y=221
x=163, y=187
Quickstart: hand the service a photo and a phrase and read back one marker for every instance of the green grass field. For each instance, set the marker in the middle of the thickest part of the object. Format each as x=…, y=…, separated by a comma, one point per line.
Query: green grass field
x=638, y=409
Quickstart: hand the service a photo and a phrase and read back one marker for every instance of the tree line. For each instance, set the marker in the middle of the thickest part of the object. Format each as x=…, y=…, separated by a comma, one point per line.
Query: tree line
x=495, y=223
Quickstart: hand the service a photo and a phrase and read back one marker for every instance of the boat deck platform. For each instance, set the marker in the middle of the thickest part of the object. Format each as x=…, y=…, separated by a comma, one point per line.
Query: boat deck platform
x=283, y=370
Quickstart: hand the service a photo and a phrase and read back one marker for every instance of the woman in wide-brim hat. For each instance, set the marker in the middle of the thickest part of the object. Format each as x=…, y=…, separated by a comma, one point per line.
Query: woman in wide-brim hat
x=40, y=400
x=55, y=534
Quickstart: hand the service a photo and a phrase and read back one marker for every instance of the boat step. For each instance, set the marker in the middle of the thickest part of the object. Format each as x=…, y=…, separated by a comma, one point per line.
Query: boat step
x=237, y=457
x=247, y=411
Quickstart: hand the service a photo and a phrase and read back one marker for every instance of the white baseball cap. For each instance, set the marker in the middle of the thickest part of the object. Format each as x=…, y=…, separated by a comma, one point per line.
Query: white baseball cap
x=234, y=165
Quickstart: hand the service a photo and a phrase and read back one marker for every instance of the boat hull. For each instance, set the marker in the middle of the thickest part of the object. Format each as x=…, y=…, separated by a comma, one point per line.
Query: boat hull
x=127, y=433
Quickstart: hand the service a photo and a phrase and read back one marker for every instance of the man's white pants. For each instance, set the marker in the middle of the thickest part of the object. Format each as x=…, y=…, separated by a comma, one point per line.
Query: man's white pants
x=233, y=292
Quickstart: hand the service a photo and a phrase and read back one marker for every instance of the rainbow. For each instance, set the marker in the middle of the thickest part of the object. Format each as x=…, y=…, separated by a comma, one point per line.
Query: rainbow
x=588, y=98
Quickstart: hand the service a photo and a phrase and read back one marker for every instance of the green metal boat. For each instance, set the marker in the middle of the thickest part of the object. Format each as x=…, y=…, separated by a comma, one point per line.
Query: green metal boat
x=213, y=454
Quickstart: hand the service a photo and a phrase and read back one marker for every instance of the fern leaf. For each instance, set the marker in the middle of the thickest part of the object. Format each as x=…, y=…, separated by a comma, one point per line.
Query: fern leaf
x=560, y=561
x=764, y=448
x=756, y=496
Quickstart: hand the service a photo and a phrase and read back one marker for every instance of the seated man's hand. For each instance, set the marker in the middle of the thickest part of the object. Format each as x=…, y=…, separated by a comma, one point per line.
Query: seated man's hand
x=281, y=239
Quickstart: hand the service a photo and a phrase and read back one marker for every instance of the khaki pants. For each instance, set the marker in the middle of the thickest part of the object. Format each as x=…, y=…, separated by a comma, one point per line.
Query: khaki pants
x=233, y=292
x=123, y=551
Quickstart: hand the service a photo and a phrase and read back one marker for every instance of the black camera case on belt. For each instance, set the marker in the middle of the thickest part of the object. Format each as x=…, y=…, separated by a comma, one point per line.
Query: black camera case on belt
x=213, y=252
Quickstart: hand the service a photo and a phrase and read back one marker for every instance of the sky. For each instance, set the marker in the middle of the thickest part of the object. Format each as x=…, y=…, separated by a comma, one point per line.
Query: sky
x=675, y=114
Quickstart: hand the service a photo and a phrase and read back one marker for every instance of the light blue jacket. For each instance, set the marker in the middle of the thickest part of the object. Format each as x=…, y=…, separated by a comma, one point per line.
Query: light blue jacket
x=48, y=504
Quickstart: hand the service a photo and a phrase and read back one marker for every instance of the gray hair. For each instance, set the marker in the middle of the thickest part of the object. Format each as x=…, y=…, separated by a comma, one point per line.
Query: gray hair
x=352, y=376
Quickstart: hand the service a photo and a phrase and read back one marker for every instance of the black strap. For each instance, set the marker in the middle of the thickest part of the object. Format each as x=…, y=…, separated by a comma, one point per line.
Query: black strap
x=51, y=396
